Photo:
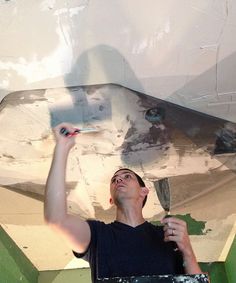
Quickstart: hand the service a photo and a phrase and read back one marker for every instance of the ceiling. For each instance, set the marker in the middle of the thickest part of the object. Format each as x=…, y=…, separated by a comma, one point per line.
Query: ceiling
x=155, y=138
x=157, y=81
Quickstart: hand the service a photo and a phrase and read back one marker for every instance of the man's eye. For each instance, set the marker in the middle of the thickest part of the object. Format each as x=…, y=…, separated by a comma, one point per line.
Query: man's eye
x=113, y=180
x=127, y=176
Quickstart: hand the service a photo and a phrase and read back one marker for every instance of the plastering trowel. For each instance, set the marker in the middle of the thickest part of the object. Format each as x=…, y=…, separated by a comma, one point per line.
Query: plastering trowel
x=162, y=188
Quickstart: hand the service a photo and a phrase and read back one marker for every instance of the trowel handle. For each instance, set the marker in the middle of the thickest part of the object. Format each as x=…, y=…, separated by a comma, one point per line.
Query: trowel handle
x=174, y=245
x=167, y=214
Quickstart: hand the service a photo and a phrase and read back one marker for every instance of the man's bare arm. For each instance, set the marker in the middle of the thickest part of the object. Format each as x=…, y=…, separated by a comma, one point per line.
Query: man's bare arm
x=75, y=230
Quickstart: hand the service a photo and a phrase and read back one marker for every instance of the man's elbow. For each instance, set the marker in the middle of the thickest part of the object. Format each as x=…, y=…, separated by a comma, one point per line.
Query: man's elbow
x=52, y=220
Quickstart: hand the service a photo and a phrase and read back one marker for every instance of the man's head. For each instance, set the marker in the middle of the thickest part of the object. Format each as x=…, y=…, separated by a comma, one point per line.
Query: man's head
x=125, y=180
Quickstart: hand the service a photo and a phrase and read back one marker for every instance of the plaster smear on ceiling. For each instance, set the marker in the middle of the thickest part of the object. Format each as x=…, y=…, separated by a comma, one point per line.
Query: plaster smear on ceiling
x=155, y=138
x=126, y=137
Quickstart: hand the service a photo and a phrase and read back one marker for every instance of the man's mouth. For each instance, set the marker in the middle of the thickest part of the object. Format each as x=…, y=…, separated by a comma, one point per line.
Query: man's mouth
x=120, y=186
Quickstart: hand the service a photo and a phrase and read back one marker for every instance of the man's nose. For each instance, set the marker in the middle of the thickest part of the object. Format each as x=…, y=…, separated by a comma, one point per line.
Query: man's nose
x=119, y=179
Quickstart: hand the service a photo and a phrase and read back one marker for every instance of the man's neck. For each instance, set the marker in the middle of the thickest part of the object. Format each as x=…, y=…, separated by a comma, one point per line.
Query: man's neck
x=129, y=216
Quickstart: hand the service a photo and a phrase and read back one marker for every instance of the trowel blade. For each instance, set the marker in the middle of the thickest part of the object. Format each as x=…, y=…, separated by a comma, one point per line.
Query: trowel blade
x=162, y=188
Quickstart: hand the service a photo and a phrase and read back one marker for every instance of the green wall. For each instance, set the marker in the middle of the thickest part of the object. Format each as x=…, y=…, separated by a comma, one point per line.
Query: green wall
x=69, y=276
x=14, y=265
x=216, y=272
x=230, y=263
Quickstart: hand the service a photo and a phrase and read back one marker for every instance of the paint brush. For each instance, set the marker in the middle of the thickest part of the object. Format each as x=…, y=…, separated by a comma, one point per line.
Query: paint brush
x=66, y=133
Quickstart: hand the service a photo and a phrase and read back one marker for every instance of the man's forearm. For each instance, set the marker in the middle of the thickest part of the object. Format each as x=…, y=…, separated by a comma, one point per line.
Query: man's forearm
x=190, y=263
x=55, y=195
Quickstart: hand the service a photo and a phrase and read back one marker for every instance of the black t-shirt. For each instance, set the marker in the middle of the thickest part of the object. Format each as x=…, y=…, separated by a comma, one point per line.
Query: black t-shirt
x=119, y=250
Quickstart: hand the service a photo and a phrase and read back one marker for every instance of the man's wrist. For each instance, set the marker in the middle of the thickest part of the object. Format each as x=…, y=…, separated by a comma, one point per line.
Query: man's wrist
x=188, y=256
x=190, y=263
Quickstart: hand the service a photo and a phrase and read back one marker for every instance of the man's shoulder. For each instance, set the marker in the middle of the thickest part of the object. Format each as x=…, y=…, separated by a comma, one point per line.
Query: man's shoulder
x=99, y=223
x=155, y=226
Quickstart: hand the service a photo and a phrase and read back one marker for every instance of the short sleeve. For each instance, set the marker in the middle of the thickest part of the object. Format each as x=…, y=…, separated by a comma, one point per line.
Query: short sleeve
x=93, y=242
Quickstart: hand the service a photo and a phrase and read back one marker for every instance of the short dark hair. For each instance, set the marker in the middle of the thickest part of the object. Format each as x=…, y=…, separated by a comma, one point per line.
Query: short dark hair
x=140, y=181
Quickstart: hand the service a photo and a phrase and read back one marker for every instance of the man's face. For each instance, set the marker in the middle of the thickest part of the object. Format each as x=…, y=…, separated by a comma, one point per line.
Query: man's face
x=124, y=185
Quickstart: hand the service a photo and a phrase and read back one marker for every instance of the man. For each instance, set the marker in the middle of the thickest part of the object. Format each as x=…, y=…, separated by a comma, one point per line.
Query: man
x=130, y=246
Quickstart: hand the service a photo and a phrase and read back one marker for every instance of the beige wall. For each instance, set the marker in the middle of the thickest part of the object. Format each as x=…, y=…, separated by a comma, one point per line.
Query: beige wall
x=181, y=51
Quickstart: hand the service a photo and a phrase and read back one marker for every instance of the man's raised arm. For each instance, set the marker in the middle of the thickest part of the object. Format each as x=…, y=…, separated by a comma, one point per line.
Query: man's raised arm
x=75, y=230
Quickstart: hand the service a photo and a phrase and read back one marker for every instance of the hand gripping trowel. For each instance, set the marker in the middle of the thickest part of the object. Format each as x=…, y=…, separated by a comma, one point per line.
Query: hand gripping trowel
x=162, y=188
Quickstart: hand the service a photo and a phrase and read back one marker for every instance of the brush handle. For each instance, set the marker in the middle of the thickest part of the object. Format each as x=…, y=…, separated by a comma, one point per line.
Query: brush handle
x=66, y=133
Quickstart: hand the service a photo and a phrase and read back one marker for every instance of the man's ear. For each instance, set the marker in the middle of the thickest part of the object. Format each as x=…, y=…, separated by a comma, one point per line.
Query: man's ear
x=111, y=201
x=144, y=191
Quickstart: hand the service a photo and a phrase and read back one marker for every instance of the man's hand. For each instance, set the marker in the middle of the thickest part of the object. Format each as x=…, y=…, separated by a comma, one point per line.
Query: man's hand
x=66, y=141
x=176, y=230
